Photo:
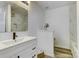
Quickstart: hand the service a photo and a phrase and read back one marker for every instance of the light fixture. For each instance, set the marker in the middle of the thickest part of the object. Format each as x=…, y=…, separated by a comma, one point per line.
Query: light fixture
x=26, y=2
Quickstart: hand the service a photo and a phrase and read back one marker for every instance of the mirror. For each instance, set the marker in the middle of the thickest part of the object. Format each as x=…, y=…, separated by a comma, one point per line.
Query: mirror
x=19, y=19
x=13, y=18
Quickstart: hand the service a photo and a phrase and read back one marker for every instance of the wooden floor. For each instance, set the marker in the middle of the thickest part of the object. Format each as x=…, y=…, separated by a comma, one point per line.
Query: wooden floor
x=62, y=53
x=59, y=53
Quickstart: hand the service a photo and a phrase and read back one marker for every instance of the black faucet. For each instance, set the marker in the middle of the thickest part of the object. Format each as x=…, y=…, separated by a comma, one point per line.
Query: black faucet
x=14, y=35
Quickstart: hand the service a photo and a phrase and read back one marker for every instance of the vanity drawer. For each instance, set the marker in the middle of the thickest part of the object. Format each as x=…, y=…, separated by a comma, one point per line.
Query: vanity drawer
x=27, y=54
x=23, y=48
x=7, y=52
x=26, y=46
x=31, y=55
x=29, y=49
x=24, y=55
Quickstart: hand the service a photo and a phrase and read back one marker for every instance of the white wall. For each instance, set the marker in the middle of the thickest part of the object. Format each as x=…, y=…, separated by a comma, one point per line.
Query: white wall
x=78, y=29
x=35, y=18
x=73, y=29
x=58, y=20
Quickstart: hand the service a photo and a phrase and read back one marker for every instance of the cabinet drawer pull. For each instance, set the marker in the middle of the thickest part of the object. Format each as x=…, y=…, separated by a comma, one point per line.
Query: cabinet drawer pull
x=34, y=48
x=18, y=56
x=33, y=56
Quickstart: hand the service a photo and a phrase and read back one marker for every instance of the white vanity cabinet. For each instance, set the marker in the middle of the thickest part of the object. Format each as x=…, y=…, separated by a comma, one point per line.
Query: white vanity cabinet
x=24, y=50
x=6, y=53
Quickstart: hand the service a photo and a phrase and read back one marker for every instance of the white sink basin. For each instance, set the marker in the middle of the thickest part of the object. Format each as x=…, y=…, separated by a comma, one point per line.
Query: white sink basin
x=11, y=42
x=19, y=40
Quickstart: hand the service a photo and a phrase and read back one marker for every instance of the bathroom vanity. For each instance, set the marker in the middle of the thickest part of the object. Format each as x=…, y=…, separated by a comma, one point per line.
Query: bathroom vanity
x=24, y=47
x=13, y=19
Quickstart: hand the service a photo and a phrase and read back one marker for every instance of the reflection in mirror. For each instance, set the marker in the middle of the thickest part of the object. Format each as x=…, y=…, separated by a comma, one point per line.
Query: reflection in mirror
x=13, y=16
x=19, y=19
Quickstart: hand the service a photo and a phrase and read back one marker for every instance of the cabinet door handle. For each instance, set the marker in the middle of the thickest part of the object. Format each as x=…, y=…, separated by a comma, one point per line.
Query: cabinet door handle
x=34, y=48
x=33, y=56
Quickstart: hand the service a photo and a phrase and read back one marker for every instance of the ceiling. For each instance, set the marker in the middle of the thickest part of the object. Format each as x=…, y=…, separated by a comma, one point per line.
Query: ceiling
x=53, y=4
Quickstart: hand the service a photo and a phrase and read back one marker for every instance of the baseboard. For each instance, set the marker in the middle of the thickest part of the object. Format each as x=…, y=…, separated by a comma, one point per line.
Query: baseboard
x=61, y=46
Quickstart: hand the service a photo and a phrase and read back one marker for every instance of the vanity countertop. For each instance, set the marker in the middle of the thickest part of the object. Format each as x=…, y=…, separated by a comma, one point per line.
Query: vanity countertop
x=19, y=40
